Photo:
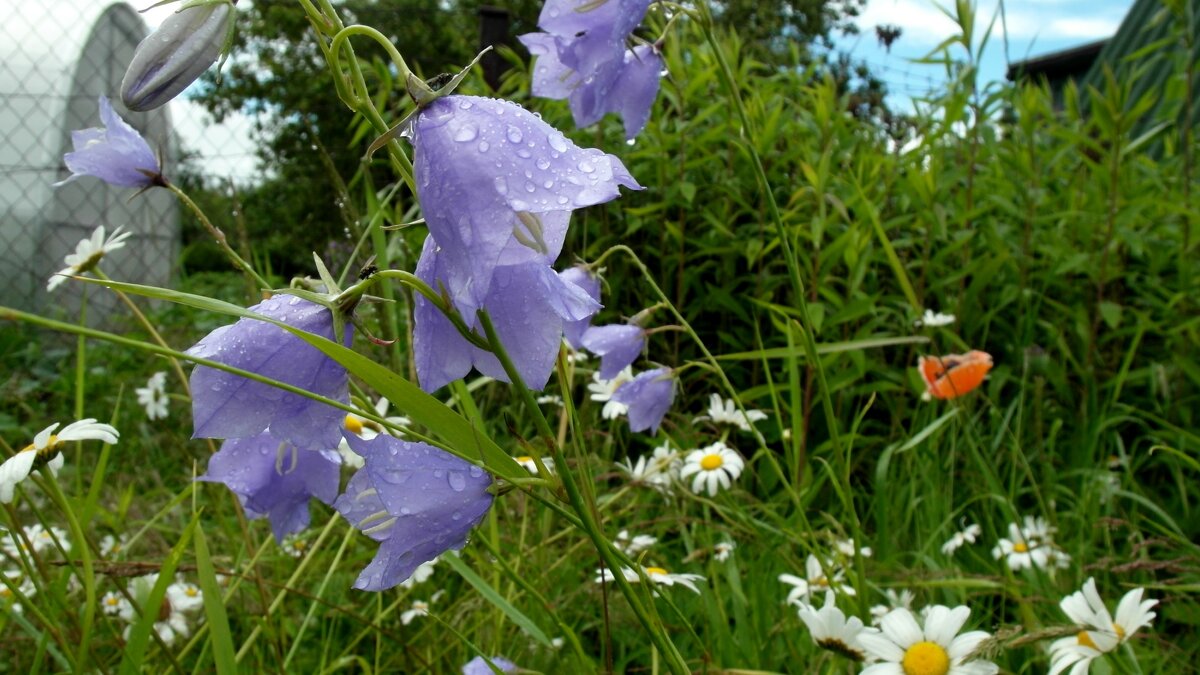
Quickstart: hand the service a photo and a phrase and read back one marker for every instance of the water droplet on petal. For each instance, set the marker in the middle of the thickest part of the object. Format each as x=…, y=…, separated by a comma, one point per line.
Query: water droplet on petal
x=529, y=187
x=458, y=482
x=483, y=146
x=514, y=135
x=501, y=185
x=586, y=166
x=465, y=133
x=543, y=163
x=557, y=142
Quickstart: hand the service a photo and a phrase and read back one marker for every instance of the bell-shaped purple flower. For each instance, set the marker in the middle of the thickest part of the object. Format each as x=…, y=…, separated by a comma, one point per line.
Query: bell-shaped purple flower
x=590, y=283
x=477, y=666
x=115, y=153
x=275, y=479
x=175, y=54
x=583, y=57
x=416, y=500
x=225, y=405
x=528, y=304
x=649, y=397
x=617, y=345
x=497, y=186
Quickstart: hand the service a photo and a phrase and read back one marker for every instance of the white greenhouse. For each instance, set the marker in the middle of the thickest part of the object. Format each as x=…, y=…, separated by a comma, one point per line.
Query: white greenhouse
x=61, y=56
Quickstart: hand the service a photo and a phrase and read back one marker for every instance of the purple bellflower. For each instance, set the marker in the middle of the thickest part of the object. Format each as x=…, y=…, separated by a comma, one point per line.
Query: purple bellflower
x=617, y=345
x=115, y=153
x=528, y=304
x=583, y=58
x=649, y=397
x=225, y=405
x=175, y=54
x=274, y=479
x=583, y=278
x=477, y=666
x=497, y=186
x=416, y=500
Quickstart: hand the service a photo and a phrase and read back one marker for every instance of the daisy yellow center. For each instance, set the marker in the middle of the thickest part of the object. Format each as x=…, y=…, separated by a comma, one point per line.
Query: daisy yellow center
x=1021, y=547
x=1120, y=632
x=191, y=592
x=51, y=444
x=112, y=602
x=711, y=462
x=926, y=658
x=354, y=425
x=1085, y=640
x=655, y=570
x=524, y=459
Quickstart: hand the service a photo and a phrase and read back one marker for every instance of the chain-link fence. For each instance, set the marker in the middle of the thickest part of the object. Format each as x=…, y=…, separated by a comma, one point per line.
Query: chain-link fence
x=61, y=56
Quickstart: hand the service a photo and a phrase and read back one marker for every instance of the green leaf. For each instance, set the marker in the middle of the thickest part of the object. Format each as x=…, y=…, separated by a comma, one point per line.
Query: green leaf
x=492, y=596
x=214, y=609
x=1111, y=313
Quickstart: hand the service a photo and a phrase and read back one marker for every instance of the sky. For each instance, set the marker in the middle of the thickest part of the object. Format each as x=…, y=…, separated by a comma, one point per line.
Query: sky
x=1035, y=28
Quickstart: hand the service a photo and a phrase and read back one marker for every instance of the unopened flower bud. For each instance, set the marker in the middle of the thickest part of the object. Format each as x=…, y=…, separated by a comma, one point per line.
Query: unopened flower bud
x=175, y=54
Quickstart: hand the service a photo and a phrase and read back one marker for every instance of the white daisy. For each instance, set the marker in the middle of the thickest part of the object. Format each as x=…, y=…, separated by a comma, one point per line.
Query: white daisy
x=111, y=547
x=295, y=545
x=967, y=535
x=529, y=465
x=1102, y=633
x=722, y=550
x=634, y=545
x=714, y=468
x=814, y=581
x=184, y=597
x=831, y=630
x=153, y=396
x=87, y=253
x=722, y=411
x=114, y=604
x=905, y=648
x=602, y=391
x=846, y=548
x=1030, y=546
x=657, y=470
x=40, y=539
x=550, y=399
x=934, y=319
x=45, y=450
x=903, y=598
x=658, y=575
x=419, y=608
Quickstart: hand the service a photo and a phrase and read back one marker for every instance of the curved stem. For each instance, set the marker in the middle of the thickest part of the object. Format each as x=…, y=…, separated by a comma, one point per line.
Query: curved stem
x=339, y=41
x=219, y=236
x=603, y=546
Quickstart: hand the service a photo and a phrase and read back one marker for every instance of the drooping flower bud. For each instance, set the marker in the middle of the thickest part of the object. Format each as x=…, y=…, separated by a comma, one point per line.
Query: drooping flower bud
x=175, y=54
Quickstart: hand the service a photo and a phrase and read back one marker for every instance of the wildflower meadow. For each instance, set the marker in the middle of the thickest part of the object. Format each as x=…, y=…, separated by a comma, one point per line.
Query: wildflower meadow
x=657, y=355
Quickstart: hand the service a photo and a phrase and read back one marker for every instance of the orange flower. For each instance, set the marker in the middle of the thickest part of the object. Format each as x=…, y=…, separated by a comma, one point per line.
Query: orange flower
x=953, y=375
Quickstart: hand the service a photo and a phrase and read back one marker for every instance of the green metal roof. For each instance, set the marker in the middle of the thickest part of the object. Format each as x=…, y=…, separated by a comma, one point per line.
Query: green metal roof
x=1147, y=45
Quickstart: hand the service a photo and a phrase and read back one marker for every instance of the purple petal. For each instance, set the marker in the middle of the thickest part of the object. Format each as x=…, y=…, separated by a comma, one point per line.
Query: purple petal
x=596, y=31
x=174, y=55
x=115, y=153
x=617, y=345
x=639, y=88
x=551, y=79
x=440, y=353
x=480, y=164
x=528, y=304
x=225, y=405
x=581, y=277
x=477, y=666
x=649, y=397
x=425, y=502
x=274, y=479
